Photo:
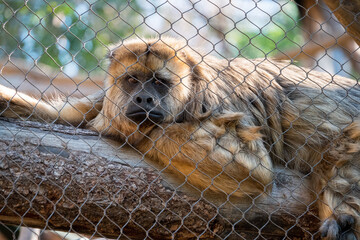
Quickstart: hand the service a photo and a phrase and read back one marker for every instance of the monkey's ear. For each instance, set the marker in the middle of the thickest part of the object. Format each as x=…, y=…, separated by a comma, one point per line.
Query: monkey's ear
x=195, y=109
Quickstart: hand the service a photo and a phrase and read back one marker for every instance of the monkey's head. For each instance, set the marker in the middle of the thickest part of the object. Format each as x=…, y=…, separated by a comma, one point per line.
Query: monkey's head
x=150, y=82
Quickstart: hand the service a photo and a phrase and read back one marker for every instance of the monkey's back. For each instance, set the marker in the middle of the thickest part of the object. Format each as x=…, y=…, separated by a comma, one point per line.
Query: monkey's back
x=300, y=110
x=318, y=108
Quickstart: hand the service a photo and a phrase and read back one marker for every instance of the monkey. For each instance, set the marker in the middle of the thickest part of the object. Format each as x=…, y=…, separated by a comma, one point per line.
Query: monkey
x=222, y=125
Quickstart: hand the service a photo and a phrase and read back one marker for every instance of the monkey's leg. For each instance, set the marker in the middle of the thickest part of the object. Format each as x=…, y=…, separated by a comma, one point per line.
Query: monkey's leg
x=340, y=199
x=340, y=204
x=73, y=111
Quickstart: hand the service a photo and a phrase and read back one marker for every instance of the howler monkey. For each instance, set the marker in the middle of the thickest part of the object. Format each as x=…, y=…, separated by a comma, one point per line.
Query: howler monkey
x=224, y=124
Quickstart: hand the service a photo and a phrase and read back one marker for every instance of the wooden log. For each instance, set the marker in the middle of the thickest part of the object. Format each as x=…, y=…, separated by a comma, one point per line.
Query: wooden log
x=63, y=178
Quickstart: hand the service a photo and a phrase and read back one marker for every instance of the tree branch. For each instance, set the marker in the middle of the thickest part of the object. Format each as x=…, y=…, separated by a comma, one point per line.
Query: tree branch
x=71, y=179
x=348, y=14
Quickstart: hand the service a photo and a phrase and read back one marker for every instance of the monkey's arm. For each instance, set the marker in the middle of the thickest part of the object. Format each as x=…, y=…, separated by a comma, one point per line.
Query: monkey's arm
x=73, y=111
x=219, y=154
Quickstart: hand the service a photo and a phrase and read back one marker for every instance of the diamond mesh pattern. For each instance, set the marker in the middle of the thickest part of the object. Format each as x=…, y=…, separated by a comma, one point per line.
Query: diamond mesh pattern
x=81, y=183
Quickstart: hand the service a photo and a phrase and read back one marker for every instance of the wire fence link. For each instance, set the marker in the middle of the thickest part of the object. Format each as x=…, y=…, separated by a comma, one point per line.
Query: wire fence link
x=178, y=119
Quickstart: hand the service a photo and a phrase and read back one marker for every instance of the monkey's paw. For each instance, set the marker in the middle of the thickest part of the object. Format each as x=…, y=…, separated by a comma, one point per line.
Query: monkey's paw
x=339, y=229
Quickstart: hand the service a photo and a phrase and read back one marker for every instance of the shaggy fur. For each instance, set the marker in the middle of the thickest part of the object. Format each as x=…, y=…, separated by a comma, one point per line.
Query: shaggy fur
x=228, y=122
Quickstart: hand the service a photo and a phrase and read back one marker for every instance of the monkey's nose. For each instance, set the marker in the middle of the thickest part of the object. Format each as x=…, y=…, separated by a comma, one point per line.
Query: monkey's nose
x=144, y=99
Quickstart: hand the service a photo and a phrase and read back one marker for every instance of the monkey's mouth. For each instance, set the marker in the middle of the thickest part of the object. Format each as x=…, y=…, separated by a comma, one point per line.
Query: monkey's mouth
x=140, y=116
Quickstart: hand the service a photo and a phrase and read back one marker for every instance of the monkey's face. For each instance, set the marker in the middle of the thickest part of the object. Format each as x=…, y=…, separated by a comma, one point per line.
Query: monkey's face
x=149, y=84
x=147, y=93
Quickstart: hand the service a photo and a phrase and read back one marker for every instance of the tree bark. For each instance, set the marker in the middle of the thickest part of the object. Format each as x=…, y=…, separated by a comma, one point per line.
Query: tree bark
x=63, y=178
x=348, y=14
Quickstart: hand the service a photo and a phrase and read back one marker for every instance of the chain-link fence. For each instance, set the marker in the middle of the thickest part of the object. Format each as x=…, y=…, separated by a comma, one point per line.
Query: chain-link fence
x=179, y=119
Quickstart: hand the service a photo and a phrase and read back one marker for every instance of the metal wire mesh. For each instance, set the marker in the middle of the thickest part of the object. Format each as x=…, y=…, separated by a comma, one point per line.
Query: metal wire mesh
x=208, y=119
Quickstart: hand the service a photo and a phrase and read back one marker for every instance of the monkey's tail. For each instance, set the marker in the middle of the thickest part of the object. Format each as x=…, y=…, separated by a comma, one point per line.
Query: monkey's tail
x=74, y=111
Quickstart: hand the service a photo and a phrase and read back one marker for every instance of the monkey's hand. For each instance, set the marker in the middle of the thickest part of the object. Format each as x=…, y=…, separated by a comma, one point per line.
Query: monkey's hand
x=220, y=154
x=339, y=227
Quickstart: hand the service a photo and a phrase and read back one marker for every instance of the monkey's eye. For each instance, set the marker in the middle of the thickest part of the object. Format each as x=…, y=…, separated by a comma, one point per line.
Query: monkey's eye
x=157, y=82
x=132, y=80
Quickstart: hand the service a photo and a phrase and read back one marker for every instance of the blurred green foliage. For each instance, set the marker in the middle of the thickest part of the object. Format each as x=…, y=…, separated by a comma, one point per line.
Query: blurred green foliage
x=280, y=33
x=58, y=33
x=75, y=34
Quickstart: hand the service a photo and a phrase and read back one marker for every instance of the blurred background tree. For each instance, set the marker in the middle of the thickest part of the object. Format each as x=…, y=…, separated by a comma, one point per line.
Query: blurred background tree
x=73, y=36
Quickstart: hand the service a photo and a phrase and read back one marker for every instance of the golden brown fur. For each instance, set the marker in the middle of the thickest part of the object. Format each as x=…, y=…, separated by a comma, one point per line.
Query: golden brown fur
x=228, y=122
